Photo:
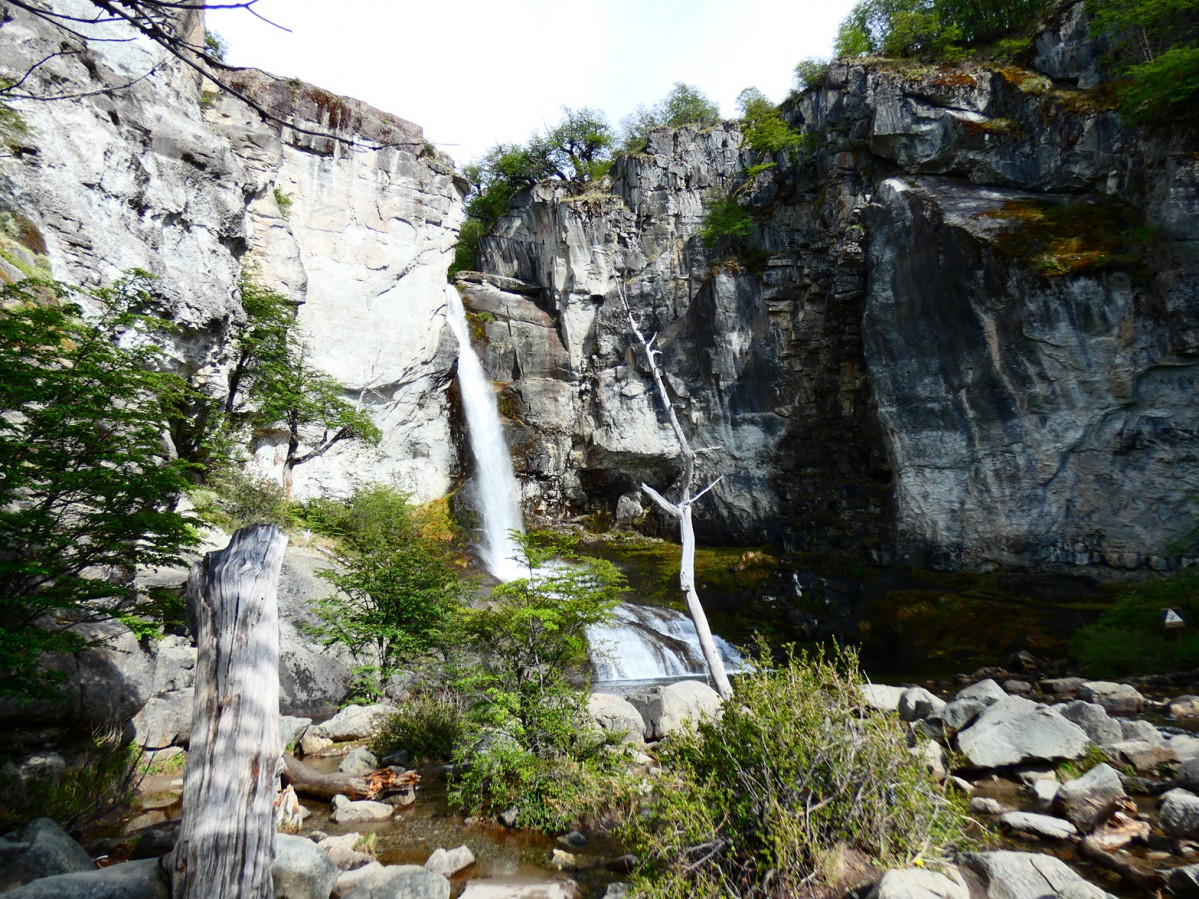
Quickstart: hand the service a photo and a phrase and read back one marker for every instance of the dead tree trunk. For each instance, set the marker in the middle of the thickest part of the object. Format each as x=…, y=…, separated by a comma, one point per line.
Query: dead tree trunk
x=227, y=835
x=681, y=511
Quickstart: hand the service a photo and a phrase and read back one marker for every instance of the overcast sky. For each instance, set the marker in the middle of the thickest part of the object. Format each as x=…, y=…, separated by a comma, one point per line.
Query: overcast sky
x=475, y=73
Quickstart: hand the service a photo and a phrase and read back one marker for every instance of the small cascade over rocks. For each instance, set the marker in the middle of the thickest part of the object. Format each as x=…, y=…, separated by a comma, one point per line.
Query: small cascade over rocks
x=499, y=496
x=650, y=643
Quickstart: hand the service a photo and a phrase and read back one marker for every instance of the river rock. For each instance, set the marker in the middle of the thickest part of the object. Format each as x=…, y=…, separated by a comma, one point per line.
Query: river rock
x=986, y=805
x=165, y=720
x=1184, y=881
x=142, y=879
x=670, y=707
x=1094, y=719
x=402, y=882
x=920, y=883
x=882, y=697
x=1182, y=708
x=916, y=703
x=43, y=850
x=987, y=691
x=954, y=717
x=342, y=852
x=1044, y=791
x=347, y=812
x=448, y=862
x=291, y=729
x=1088, y=800
x=1016, y=730
x=1140, y=754
x=1061, y=686
x=301, y=869
x=348, y=881
x=616, y=715
x=1028, y=875
x=1178, y=814
x=1044, y=826
x=1138, y=729
x=1184, y=747
x=354, y=722
x=520, y=888
x=1116, y=699
x=359, y=760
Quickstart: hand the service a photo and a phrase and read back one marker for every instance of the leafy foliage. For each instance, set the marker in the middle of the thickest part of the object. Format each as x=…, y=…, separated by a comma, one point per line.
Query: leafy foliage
x=273, y=382
x=399, y=588
x=429, y=725
x=726, y=223
x=811, y=72
x=930, y=28
x=795, y=775
x=533, y=750
x=684, y=105
x=86, y=486
x=764, y=128
x=1130, y=637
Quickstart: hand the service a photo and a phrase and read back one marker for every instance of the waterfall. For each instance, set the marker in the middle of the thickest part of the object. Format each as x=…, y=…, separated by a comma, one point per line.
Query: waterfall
x=499, y=496
x=649, y=642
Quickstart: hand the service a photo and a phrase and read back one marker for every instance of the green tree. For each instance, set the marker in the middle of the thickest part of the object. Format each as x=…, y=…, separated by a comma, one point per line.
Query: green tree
x=763, y=125
x=932, y=28
x=87, y=485
x=399, y=588
x=273, y=383
x=684, y=105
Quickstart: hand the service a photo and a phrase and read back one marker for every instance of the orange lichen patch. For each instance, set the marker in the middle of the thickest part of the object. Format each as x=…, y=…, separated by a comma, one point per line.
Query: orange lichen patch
x=950, y=77
x=1070, y=238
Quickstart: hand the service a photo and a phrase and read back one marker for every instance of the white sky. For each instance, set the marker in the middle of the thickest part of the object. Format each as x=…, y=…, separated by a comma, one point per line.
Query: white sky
x=475, y=73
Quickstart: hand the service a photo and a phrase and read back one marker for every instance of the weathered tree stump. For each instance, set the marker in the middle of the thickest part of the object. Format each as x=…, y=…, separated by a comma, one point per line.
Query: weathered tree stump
x=227, y=835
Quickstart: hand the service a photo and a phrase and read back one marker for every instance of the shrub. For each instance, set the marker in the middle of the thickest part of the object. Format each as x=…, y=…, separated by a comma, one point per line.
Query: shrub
x=811, y=73
x=726, y=223
x=1130, y=637
x=796, y=777
x=684, y=105
x=428, y=725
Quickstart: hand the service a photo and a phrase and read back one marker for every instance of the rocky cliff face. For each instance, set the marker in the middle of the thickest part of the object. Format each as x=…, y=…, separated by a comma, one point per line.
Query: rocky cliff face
x=965, y=335
x=168, y=175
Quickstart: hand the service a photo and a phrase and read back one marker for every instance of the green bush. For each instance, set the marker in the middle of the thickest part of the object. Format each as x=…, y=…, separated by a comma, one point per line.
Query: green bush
x=234, y=499
x=429, y=725
x=939, y=29
x=726, y=223
x=1131, y=638
x=796, y=776
x=684, y=105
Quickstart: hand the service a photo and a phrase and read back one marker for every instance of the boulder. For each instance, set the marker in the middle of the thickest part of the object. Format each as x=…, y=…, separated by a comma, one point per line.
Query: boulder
x=882, y=697
x=1094, y=719
x=342, y=853
x=142, y=879
x=1044, y=826
x=354, y=722
x=1184, y=881
x=1017, y=687
x=520, y=888
x=953, y=718
x=165, y=720
x=1061, y=686
x=358, y=761
x=1016, y=730
x=1183, y=707
x=616, y=715
x=1184, y=746
x=1028, y=875
x=1142, y=755
x=448, y=862
x=920, y=883
x=932, y=754
x=1087, y=801
x=291, y=729
x=43, y=850
x=1136, y=729
x=670, y=707
x=1188, y=774
x=402, y=882
x=301, y=869
x=916, y=703
x=348, y=881
x=1116, y=699
x=985, y=805
x=987, y=691
x=628, y=510
x=346, y=812
x=1178, y=814
x=1044, y=791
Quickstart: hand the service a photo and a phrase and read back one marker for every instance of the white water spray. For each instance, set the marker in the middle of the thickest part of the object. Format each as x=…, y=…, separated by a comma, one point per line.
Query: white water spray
x=499, y=496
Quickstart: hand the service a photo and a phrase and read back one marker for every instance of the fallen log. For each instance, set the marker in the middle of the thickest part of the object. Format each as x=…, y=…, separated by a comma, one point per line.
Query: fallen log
x=308, y=781
x=1147, y=882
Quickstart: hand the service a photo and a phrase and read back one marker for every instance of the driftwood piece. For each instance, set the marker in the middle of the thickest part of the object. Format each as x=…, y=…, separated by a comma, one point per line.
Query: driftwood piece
x=227, y=835
x=308, y=781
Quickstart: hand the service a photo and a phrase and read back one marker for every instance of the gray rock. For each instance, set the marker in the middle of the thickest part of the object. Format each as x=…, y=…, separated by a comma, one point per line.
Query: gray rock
x=1183, y=708
x=628, y=510
x=955, y=716
x=1044, y=826
x=359, y=760
x=1016, y=730
x=1044, y=791
x=670, y=707
x=616, y=715
x=347, y=812
x=403, y=882
x=1184, y=747
x=1184, y=881
x=291, y=729
x=165, y=720
x=1116, y=699
x=1188, y=774
x=1062, y=686
x=1087, y=801
x=142, y=879
x=988, y=692
x=617, y=890
x=1017, y=687
x=932, y=754
x=920, y=883
x=1093, y=718
x=1027, y=875
x=1137, y=729
x=1178, y=814
x=985, y=805
x=1140, y=754
x=448, y=862
x=340, y=850
x=520, y=888
x=44, y=850
x=354, y=722
x=882, y=697
x=916, y=703
x=301, y=869
x=348, y=881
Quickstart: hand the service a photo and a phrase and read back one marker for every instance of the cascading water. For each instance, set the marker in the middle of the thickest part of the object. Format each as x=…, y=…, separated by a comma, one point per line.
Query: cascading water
x=499, y=497
x=648, y=643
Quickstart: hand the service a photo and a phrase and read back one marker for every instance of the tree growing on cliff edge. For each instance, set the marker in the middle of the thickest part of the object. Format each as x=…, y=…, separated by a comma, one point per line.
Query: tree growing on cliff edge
x=87, y=486
x=681, y=509
x=684, y=105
